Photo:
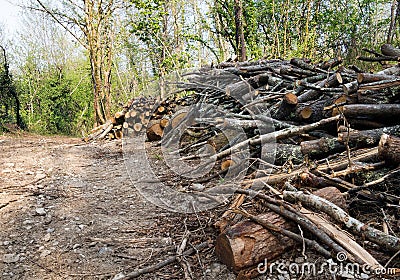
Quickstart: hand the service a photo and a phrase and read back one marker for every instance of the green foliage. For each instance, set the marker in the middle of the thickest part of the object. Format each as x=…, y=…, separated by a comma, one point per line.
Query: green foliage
x=160, y=27
x=304, y=28
x=156, y=37
x=56, y=102
x=6, y=99
x=9, y=100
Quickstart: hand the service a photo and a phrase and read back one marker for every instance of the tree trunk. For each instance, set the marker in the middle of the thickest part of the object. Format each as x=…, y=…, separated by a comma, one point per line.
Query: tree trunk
x=392, y=22
x=240, y=40
x=98, y=32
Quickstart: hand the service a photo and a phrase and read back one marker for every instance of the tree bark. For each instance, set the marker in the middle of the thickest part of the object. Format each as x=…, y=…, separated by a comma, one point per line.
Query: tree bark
x=387, y=241
x=389, y=149
x=98, y=33
x=389, y=50
x=381, y=112
x=239, y=33
x=247, y=243
x=365, y=138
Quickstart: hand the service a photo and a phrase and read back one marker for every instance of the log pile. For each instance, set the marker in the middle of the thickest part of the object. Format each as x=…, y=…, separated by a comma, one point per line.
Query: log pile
x=321, y=141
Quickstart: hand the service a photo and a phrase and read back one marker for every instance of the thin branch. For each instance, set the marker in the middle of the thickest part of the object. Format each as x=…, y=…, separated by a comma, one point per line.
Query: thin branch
x=51, y=13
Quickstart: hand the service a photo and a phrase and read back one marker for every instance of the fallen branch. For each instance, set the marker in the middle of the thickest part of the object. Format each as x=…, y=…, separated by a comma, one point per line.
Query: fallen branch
x=386, y=241
x=166, y=262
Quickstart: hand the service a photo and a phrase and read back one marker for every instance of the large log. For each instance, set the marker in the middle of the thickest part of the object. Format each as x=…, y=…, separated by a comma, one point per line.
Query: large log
x=389, y=50
x=286, y=106
x=246, y=244
x=321, y=147
x=244, y=90
x=381, y=112
x=370, y=78
x=379, y=85
x=366, y=138
x=389, y=149
x=154, y=131
x=394, y=70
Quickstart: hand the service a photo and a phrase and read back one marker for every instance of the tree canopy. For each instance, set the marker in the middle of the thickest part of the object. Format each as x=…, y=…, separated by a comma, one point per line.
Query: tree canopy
x=85, y=58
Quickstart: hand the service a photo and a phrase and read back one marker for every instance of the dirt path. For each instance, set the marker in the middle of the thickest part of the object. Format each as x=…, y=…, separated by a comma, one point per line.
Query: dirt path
x=69, y=211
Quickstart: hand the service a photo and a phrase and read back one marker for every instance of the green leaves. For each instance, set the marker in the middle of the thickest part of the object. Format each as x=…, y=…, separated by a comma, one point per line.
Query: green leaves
x=311, y=28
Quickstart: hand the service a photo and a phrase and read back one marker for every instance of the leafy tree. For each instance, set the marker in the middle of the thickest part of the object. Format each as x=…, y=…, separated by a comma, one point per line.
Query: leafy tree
x=9, y=99
x=53, y=79
x=94, y=19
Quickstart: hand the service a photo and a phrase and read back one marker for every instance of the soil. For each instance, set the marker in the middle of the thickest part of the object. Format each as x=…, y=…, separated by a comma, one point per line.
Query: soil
x=68, y=210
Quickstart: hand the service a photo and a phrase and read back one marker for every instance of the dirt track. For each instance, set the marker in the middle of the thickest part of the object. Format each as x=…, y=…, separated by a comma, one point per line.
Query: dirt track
x=69, y=211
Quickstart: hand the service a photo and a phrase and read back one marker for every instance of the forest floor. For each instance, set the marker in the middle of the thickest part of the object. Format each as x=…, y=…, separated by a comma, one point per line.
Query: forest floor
x=68, y=210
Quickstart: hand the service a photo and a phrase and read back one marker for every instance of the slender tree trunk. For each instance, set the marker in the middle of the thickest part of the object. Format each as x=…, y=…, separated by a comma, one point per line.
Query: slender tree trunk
x=392, y=21
x=240, y=40
x=98, y=32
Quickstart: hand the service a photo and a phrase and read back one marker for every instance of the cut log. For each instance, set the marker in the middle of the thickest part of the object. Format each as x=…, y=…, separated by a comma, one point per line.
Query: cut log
x=385, y=84
x=313, y=111
x=379, y=112
x=389, y=149
x=118, y=134
x=178, y=117
x=244, y=90
x=133, y=113
x=389, y=50
x=154, y=131
x=286, y=107
x=337, y=106
x=302, y=63
x=370, y=78
x=161, y=109
x=313, y=181
x=164, y=122
x=366, y=138
x=226, y=164
x=326, y=65
x=221, y=140
x=290, y=99
x=350, y=87
x=313, y=94
x=379, y=58
x=137, y=127
x=321, y=147
x=247, y=244
x=394, y=70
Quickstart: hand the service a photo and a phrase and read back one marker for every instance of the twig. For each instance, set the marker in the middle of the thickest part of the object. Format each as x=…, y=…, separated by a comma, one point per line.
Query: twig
x=281, y=134
x=387, y=241
x=181, y=260
x=166, y=262
x=375, y=182
x=289, y=212
x=392, y=258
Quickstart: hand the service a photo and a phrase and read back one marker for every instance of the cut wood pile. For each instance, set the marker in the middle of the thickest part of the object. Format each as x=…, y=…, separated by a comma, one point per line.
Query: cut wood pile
x=321, y=161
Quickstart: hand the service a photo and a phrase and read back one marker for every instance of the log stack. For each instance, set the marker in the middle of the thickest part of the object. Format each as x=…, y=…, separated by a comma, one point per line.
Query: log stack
x=306, y=127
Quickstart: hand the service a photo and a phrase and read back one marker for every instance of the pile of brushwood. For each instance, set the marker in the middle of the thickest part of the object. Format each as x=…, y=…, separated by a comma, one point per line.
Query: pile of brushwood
x=315, y=144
